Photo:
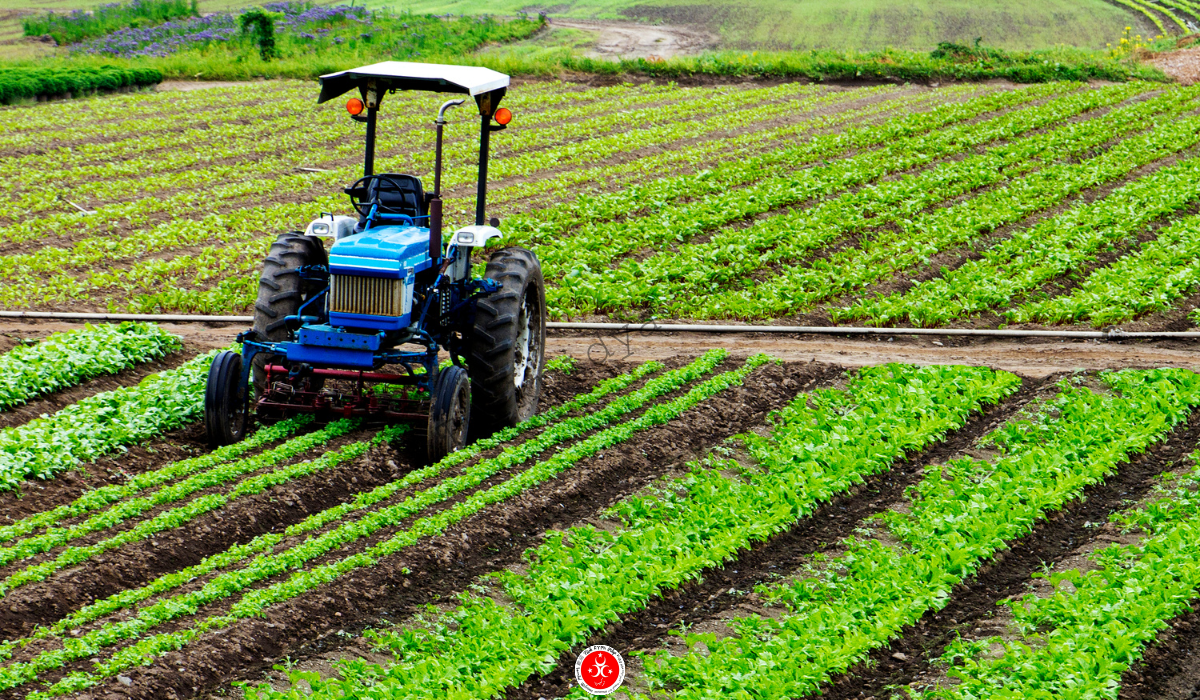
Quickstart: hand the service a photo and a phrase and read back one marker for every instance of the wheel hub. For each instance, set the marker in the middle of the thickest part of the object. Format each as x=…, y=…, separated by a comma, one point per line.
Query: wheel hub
x=521, y=352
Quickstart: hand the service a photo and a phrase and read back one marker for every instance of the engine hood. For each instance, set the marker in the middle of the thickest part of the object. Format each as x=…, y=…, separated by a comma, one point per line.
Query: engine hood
x=382, y=251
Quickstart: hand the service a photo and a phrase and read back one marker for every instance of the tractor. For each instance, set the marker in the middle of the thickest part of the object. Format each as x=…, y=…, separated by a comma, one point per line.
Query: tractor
x=356, y=329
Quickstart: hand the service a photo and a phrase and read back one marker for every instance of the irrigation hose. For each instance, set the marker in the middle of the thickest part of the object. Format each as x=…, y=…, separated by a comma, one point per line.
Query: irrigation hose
x=620, y=328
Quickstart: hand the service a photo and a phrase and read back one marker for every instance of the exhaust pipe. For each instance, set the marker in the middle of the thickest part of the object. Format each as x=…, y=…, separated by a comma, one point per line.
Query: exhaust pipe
x=435, y=202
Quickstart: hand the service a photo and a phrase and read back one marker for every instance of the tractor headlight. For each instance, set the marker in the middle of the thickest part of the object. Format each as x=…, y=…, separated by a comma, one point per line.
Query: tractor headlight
x=465, y=237
x=320, y=229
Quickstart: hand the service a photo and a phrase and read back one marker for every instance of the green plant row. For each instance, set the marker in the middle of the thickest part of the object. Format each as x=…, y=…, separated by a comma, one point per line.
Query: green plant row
x=233, y=267
x=65, y=359
x=106, y=495
x=914, y=241
x=217, y=230
x=324, y=137
x=255, y=601
x=19, y=673
x=106, y=247
x=72, y=121
x=124, y=511
x=959, y=516
x=174, y=517
x=1078, y=641
x=130, y=597
x=1152, y=279
x=103, y=423
x=730, y=257
x=578, y=581
x=1038, y=254
x=722, y=196
x=267, y=565
x=29, y=82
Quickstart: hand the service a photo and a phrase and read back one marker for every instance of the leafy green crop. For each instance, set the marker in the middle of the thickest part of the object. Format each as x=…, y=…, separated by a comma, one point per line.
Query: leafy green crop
x=63, y=360
x=958, y=517
x=103, y=423
x=582, y=579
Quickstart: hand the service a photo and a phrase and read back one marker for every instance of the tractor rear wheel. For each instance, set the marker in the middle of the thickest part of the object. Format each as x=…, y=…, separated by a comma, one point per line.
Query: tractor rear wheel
x=225, y=400
x=281, y=293
x=449, y=415
x=507, y=344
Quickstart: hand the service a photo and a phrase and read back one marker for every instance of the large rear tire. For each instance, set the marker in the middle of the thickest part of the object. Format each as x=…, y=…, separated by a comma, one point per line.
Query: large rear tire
x=225, y=401
x=449, y=415
x=507, y=344
x=281, y=293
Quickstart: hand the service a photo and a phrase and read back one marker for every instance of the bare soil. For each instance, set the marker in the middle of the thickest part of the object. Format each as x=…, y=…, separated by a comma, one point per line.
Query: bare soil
x=634, y=40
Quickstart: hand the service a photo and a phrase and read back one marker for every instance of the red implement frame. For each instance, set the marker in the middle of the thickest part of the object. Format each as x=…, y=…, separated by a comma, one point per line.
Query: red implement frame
x=284, y=399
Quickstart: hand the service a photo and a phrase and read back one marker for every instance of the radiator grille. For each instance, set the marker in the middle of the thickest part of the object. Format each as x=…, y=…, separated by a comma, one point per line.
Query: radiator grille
x=375, y=296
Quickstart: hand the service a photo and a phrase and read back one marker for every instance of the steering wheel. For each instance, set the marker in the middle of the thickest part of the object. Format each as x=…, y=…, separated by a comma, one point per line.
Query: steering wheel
x=360, y=196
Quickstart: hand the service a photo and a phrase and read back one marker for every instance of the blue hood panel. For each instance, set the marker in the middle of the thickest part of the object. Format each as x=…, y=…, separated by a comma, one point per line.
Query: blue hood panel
x=382, y=251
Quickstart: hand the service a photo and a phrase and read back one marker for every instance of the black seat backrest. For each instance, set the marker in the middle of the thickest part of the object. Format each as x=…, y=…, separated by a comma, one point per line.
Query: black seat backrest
x=399, y=194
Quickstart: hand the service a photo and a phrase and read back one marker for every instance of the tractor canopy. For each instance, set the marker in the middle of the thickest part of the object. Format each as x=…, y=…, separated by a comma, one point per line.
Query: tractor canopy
x=402, y=75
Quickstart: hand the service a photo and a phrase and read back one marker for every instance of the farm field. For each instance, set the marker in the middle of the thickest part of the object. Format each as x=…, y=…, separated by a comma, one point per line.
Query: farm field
x=729, y=522
x=741, y=516
x=888, y=205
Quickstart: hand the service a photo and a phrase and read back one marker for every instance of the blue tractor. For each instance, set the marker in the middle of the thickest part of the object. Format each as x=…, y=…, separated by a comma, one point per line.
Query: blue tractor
x=356, y=329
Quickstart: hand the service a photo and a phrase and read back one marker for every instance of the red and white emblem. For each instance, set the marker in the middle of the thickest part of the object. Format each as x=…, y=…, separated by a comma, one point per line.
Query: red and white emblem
x=599, y=669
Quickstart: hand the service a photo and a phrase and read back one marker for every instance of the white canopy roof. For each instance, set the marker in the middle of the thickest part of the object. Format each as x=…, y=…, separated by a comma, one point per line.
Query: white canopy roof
x=401, y=75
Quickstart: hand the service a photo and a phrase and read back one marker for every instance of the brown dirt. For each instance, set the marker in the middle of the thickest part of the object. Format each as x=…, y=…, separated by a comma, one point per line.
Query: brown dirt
x=1183, y=65
x=446, y=564
x=633, y=40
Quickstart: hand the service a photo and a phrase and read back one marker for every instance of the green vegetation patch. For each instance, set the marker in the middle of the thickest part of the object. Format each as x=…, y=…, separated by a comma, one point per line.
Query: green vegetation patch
x=29, y=81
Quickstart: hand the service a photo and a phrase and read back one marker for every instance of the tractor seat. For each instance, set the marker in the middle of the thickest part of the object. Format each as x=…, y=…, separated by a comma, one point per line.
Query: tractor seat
x=408, y=198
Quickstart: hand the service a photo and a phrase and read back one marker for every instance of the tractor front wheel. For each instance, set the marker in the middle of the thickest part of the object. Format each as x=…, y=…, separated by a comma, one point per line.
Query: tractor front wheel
x=449, y=414
x=507, y=344
x=225, y=400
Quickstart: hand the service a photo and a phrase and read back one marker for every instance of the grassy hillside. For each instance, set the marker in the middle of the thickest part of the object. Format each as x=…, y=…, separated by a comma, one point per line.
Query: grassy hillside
x=848, y=24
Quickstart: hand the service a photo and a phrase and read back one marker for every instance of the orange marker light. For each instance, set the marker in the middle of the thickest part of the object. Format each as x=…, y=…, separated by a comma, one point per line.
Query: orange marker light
x=503, y=116
x=354, y=106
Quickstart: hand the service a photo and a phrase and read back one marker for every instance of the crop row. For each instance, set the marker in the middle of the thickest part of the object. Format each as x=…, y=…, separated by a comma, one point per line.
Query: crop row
x=106, y=495
x=730, y=257
x=63, y=360
x=347, y=533
x=524, y=163
x=1078, y=641
x=126, y=511
x=957, y=518
x=578, y=581
x=225, y=262
x=99, y=424
x=1152, y=279
x=914, y=241
x=326, y=136
x=1033, y=256
x=222, y=277
x=596, y=224
x=218, y=278
x=227, y=229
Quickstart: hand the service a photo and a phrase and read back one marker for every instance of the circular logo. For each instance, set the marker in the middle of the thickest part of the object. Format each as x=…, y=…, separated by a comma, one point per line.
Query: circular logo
x=599, y=669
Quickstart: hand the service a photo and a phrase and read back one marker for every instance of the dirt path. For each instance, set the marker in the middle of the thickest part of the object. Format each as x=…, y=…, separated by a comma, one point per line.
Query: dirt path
x=1029, y=358
x=634, y=40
